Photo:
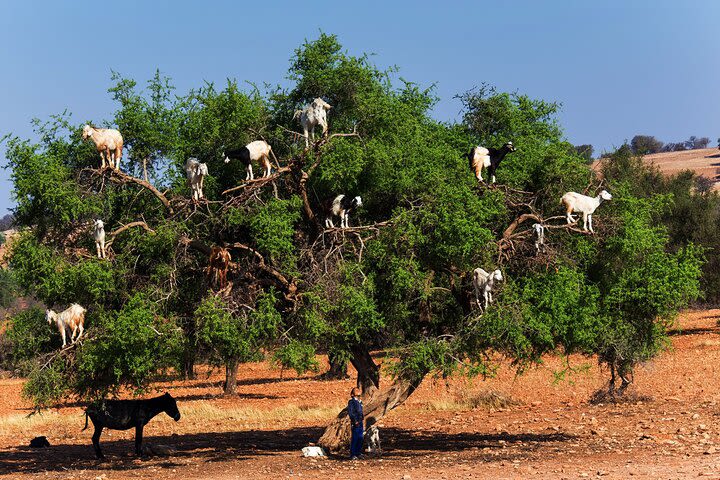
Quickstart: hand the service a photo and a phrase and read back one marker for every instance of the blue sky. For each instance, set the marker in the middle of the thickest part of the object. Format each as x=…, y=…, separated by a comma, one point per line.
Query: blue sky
x=619, y=68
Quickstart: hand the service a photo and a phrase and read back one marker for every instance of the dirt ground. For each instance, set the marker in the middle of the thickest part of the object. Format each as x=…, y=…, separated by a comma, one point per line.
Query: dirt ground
x=508, y=427
x=705, y=162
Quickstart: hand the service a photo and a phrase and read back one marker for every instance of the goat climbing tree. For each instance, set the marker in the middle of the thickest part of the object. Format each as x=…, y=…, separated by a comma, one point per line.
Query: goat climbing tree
x=398, y=280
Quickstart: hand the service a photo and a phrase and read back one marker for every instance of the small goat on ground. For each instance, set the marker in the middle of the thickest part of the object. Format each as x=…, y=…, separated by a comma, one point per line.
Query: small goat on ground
x=218, y=265
x=489, y=158
x=126, y=414
x=108, y=142
x=372, y=440
x=196, y=173
x=257, y=151
x=539, y=230
x=577, y=202
x=340, y=206
x=484, y=283
x=72, y=318
x=99, y=234
x=311, y=116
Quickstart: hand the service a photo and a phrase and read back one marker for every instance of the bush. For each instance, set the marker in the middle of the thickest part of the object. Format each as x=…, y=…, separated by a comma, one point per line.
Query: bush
x=30, y=336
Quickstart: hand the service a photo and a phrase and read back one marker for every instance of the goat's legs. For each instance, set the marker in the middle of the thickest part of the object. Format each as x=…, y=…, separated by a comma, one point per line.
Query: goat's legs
x=585, y=221
x=249, y=175
x=590, y=223
x=96, y=441
x=477, y=296
x=62, y=334
x=570, y=218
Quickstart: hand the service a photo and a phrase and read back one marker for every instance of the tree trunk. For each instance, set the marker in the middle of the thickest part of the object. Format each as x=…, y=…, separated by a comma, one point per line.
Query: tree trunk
x=231, y=372
x=145, y=169
x=337, y=435
x=368, y=379
x=189, y=367
x=338, y=368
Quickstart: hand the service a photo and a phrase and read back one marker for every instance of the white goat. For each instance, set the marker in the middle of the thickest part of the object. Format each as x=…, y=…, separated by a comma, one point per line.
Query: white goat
x=196, y=173
x=109, y=143
x=576, y=202
x=73, y=318
x=311, y=116
x=484, y=283
x=539, y=230
x=99, y=234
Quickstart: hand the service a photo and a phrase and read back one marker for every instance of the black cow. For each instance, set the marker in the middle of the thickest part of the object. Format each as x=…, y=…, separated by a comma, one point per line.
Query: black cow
x=126, y=414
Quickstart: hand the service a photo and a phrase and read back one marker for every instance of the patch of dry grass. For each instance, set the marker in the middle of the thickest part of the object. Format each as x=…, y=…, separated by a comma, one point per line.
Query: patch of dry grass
x=198, y=414
x=470, y=400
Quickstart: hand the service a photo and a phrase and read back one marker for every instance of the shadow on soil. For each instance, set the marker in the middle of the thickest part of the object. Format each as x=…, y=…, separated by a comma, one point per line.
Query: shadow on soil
x=238, y=446
x=693, y=331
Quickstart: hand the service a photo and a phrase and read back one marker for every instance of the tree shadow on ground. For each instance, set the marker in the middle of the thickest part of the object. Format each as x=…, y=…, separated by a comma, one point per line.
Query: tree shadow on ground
x=238, y=446
x=679, y=332
x=211, y=396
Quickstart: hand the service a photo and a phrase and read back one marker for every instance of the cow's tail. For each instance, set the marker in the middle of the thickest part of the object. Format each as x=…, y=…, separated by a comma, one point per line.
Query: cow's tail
x=86, y=422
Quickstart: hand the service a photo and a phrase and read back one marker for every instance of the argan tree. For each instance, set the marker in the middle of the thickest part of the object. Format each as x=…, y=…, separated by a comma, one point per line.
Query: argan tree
x=397, y=280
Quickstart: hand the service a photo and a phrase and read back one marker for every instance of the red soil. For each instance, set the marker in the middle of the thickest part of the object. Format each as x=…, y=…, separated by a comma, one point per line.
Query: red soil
x=668, y=430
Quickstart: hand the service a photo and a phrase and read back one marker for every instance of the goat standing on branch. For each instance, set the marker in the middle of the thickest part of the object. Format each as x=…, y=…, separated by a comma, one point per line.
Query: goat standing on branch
x=257, y=151
x=539, y=230
x=108, y=142
x=484, y=282
x=341, y=206
x=311, y=116
x=99, y=234
x=577, y=202
x=73, y=319
x=489, y=158
x=218, y=265
x=196, y=173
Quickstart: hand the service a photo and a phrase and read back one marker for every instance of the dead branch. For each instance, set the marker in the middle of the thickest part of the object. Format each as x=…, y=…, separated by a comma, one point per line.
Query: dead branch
x=116, y=232
x=120, y=177
x=258, y=182
x=289, y=286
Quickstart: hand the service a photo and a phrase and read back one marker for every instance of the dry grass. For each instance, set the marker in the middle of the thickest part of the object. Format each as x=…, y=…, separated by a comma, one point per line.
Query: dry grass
x=200, y=413
x=470, y=400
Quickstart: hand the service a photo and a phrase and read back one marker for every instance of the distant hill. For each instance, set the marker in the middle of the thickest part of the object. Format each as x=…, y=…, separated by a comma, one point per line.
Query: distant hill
x=705, y=162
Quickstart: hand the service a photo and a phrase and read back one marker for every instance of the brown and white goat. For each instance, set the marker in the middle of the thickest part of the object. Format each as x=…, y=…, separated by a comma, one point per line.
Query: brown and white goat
x=108, y=142
x=218, y=265
x=72, y=318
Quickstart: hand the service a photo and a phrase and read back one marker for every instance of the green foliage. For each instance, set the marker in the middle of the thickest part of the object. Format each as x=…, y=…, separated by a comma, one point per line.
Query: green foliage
x=8, y=288
x=298, y=355
x=222, y=333
x=29, y=336
x=229, y=339
x=127, y=349
x=272, y=226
